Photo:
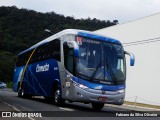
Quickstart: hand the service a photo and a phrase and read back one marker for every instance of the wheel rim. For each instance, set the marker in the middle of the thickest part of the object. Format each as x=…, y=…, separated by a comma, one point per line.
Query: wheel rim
x=22, y=92
x=56, y=96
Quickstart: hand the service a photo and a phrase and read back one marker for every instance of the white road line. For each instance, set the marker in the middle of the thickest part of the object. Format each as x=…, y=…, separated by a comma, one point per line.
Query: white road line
x=6, y=103
x=67, y=109
x=31, y=118
x=14, y=108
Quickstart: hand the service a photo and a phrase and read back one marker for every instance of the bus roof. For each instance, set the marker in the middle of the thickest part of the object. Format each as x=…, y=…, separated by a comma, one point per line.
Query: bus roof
x=82, y=33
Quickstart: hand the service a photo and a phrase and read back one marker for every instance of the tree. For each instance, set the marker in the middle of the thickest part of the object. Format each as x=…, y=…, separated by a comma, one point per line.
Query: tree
x=115, y=22
x=22, y=28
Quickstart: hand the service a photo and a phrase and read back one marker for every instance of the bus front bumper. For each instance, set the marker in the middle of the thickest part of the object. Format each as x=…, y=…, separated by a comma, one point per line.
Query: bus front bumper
x=92, y=95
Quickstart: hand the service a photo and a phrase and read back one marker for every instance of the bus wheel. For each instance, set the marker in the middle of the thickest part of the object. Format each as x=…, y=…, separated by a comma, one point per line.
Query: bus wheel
x=97, y=106
x=22, y=94
x=19, y=93
x=57, y=98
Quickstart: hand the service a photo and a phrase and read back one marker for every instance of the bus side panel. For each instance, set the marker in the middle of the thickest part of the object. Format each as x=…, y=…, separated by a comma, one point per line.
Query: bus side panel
x=40, y=76
x=17, y=77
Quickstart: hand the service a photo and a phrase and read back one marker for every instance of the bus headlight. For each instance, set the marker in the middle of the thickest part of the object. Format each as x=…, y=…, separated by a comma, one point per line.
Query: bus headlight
x=80, y=85
x=121, y=91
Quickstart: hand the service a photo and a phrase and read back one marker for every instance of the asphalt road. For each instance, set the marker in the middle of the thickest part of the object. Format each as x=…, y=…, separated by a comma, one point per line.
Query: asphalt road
x=70, y=111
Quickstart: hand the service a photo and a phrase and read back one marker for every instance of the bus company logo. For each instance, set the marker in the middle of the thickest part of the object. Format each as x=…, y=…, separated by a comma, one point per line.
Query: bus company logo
x=42, y=68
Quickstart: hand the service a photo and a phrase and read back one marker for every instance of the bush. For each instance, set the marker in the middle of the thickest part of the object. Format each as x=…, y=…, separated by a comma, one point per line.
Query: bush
x=9, y=84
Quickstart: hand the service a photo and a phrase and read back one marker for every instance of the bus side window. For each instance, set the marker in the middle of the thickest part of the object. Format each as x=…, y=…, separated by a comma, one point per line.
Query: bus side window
x=39, y=53
x=68, y=57
x=55, y=50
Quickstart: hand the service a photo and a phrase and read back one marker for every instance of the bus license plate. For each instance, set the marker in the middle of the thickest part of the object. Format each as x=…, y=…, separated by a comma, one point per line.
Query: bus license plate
x=102, y=98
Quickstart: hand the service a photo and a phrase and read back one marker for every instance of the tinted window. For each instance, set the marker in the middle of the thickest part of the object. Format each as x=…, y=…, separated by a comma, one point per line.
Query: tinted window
x=68, y=58
x=50, y=50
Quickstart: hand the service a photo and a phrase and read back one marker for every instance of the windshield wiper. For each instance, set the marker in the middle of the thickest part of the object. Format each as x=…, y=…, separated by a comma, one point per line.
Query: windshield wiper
x=111, y=73
x=109, y=69
x=93, y=75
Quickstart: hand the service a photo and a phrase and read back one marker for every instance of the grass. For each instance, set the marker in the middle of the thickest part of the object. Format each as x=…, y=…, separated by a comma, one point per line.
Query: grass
x=142, y=105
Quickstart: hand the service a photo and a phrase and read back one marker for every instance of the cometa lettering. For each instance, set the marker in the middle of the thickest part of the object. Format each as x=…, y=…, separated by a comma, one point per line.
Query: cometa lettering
x=42, y=68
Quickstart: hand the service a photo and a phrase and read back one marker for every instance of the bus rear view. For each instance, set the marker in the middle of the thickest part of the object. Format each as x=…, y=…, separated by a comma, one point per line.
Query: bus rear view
x=91, y=69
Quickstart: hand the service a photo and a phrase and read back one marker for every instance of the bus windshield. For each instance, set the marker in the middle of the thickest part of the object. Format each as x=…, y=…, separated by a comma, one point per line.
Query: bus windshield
x=100, y=61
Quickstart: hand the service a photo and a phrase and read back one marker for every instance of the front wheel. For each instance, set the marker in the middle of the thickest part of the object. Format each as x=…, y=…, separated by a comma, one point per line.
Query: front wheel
x=97, y=106
x=57, y=98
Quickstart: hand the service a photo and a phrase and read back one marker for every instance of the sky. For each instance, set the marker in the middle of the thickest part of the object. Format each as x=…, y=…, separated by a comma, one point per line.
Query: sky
x=121, y=10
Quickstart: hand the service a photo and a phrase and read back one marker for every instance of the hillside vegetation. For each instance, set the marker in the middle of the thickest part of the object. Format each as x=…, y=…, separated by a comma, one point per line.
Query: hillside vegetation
x=21, y=28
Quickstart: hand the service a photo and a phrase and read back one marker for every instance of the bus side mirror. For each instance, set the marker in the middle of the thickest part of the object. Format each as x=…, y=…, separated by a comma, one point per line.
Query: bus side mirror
x=74, y=45
x=132, y=57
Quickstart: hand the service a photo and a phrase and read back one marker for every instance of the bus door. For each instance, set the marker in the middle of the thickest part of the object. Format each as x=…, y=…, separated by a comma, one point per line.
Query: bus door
x=69, y=68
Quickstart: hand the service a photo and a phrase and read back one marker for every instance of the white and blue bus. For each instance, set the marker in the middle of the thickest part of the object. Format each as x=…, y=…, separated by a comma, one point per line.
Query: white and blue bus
x=73, y=65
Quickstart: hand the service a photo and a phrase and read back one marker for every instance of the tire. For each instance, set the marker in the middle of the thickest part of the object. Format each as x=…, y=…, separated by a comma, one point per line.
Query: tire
x=19, y=93
x=22, y=94
x=19, y=90
x=97, y=106
x=57, y=99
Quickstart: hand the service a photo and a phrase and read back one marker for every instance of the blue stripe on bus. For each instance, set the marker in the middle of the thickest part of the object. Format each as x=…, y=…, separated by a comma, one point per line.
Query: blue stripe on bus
x=98, y=86
x=38, y=82
x=34, y=80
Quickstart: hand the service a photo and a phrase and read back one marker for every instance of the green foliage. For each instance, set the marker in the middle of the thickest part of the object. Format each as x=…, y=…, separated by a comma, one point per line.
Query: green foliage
x=21, y=28
x=9, y=84
x=7, y=61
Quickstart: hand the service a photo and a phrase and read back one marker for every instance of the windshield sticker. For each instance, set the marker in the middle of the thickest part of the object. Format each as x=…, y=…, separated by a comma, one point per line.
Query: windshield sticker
x=79, y=40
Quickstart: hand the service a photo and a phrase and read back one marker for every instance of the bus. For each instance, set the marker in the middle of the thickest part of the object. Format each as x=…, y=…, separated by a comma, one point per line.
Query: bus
x=76, y=66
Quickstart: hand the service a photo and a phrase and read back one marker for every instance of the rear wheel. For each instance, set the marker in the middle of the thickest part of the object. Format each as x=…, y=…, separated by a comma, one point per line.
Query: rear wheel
x=22, y=94
x=19, y=90
x=97, y=106
x=19, y=93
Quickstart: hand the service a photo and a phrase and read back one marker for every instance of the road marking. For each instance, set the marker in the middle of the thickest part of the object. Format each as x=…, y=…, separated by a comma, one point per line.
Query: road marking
x=67, y=109
x=31, y=118
x=6, y=103
x=14, y=108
